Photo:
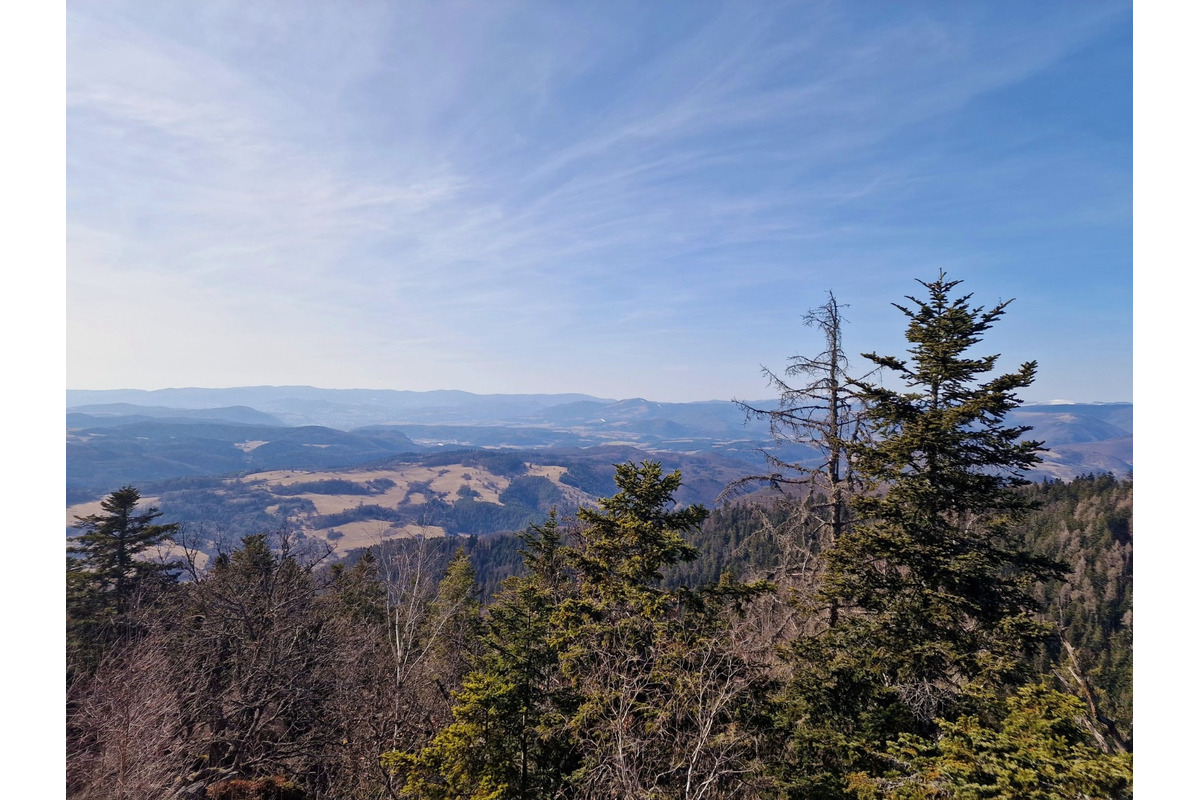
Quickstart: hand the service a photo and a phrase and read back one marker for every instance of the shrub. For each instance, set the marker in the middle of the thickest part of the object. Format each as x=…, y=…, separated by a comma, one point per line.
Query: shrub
x=275, y=787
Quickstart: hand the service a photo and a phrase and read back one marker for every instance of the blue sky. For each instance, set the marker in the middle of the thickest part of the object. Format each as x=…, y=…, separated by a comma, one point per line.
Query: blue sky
x=626, y=200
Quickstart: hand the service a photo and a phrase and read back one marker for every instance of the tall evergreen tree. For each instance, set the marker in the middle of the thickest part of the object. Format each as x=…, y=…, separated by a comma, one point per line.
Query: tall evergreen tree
x=938, y=569
x=933, y=577
x=660, y=687
x=594, y=681
x=112, y=544
x=107, y=568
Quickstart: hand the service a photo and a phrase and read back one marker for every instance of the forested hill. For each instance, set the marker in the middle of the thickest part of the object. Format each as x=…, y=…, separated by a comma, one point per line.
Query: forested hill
x=897, y=615
x=135, y=437
x=397, y=641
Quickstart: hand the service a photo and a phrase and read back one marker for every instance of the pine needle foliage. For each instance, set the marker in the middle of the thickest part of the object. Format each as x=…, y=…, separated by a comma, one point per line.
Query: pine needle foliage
x=933, y=576
x=937, y=568
x=108, y=569
x=1035, y=749
x=112, y=546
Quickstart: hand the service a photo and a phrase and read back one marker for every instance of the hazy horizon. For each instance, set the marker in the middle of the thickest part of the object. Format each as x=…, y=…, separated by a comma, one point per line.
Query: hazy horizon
x=765, y=396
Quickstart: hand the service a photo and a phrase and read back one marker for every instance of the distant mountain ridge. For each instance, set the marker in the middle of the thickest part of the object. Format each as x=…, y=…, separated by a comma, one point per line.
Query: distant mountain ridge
x=340, y=408
x=117, y=413
x=178, y=432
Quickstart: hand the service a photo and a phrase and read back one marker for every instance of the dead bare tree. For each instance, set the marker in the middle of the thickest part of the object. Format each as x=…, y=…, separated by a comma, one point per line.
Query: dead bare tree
x=823, y=417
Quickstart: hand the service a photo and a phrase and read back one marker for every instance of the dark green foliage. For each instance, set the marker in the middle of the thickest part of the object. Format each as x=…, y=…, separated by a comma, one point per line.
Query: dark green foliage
x=469, y=515
x=592, y=679
x=380, y=485
x=531, y=491
x=1088, y=525
x=502, y=741
x=660, y=688
x=933, y=575
x=358, y=589
x=591, y=478
x=110, y=567
x=525, y=500
x=508, y=465
x=636, y=533
x=1034, y=750
x=937, y=567
x=113, y=547
x=892, y=652
x=330, y=486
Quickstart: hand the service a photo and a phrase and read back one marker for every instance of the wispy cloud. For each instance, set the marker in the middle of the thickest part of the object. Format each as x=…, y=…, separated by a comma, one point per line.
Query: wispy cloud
x=408, y=183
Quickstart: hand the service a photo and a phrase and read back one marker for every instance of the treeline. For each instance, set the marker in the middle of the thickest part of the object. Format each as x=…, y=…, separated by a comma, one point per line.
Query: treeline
x=901, y=623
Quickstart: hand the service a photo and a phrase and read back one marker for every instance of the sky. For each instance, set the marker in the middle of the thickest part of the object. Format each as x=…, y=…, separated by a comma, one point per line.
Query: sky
x=622, y=199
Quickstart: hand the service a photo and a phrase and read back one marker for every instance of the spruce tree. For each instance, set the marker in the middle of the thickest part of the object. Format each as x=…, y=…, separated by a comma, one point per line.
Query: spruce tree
x=593, y=680
x=1033, y=748
x=660, y=687
x=453, y=625
x=932, y=576
x=112, y=544
x=936, y=568
x=505, y=741
x=107, y=568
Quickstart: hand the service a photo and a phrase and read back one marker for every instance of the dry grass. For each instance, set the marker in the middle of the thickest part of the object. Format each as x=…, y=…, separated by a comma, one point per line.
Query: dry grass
x=370, y=532
x=444, y=481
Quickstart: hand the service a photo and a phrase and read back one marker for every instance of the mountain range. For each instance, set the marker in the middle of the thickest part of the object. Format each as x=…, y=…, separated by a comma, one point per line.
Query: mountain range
x=134, y=436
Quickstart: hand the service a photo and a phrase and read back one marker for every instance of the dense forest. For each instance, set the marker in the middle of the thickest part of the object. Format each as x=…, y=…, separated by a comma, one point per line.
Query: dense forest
x=907, y=618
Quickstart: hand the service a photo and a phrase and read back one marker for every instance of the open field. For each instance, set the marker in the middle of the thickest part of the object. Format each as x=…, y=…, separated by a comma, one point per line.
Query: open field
x=381, y=503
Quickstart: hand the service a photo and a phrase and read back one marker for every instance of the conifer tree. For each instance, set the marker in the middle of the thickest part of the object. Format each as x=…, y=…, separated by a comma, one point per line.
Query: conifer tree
x=937, y=568
x=112, y=544
x=357, y=588
x=1034, y=749
x=504, y=741
x=107, y=567
x=593, y=680
x=452, y=627
x=932, y=576
x=660, y=688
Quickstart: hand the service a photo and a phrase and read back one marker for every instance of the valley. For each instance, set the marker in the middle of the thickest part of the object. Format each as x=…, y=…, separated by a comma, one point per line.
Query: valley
x=475, y=465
